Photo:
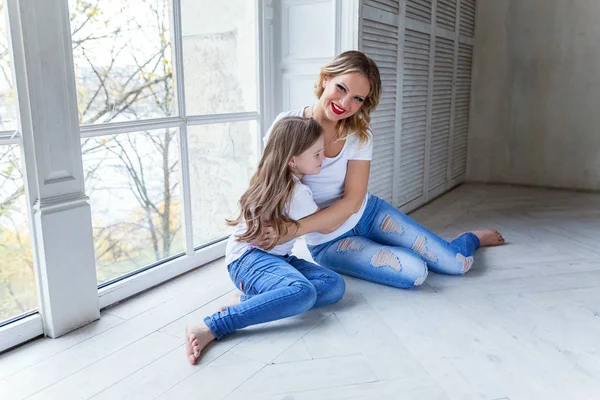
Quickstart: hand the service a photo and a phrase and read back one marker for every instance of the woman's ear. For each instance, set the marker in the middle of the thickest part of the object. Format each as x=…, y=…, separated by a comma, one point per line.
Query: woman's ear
x=292, y=163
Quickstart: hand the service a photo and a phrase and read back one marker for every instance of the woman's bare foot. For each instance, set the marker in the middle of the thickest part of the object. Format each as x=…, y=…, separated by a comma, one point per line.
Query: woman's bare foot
x=196, y=339
x=489, y=237
x=234, y=300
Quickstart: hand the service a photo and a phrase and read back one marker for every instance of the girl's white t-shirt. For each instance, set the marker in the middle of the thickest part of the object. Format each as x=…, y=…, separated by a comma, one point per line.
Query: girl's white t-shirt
x=328, y=186
x=301, y=205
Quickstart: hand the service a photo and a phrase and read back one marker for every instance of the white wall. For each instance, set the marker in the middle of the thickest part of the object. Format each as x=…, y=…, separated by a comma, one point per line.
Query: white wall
x=307, y=35
x=535, y=112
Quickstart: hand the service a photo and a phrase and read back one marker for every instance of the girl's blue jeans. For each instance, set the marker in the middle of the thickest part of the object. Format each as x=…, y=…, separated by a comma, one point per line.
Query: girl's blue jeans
x=274, y=287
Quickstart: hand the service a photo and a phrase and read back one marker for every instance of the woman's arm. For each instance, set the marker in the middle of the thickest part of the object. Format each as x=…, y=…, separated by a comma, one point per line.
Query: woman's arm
x=334, y=216
x=331, y=218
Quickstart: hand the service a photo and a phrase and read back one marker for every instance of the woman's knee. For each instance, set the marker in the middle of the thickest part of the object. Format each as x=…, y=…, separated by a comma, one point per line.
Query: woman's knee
x=462, y=264
x=423, y=271
x=418, y=272
x=408, y=270
x=453, y=264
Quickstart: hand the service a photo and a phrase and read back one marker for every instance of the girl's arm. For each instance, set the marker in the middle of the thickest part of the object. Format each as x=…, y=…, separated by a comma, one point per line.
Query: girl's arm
x=334, y=216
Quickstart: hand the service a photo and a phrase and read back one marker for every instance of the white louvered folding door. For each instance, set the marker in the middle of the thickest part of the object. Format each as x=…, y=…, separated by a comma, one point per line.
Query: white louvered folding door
x=424, y=49
x=464, y=61
x=415, y=95
x=442, y=95
x=379, y=39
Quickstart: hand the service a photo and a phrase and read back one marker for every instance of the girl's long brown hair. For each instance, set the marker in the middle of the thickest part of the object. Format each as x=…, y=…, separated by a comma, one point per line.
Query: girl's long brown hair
x=354, y=61
x=272, y=185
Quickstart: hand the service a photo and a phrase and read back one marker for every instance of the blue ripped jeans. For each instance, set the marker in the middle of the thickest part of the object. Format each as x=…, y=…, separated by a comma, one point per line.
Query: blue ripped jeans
x=388, y=247
x=274, y=287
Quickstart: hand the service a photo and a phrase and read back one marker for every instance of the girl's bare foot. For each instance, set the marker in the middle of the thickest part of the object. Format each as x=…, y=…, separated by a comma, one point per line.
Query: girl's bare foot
x=489, y=237
x=233, y=301
x=196, y=339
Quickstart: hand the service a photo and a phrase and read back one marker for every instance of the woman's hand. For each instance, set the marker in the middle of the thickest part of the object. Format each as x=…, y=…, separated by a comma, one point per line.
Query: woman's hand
x=268, y=233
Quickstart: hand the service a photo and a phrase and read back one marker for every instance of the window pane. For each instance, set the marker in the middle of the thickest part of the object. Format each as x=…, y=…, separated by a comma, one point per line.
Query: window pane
x=7, y=98
x=222, y=160
x=123, y=61
x=133, y=182
x=17, y=281
x=219, y=56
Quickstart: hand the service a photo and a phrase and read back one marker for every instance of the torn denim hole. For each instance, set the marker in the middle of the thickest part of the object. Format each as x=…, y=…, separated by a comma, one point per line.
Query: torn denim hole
x=385, y=258
x=467, y=262
x=421, y=280
x=420, y=247
x=391, y=226
x=348, y=244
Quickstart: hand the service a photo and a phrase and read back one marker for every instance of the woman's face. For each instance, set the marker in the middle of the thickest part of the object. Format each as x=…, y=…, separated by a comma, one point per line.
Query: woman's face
x=344, y=95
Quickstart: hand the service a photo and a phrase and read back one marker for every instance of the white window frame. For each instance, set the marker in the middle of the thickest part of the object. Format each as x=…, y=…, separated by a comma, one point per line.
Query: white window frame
x=20, y=13
x=28, y=325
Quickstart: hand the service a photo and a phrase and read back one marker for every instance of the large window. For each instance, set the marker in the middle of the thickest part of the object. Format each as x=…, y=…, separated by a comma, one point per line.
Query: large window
x=222, y=160
x=220, y=56
x=123, y=60
x=7, y=98
x=168, y=105
x=133, y=182
x=17, y=283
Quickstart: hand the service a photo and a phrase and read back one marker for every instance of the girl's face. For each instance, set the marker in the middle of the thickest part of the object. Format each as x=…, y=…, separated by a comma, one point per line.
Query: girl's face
x=311, y=160
x=344, y=95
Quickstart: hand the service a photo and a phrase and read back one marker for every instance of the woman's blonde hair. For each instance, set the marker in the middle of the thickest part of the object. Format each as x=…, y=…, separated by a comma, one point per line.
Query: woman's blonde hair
x=271, y=187
x=347, y=62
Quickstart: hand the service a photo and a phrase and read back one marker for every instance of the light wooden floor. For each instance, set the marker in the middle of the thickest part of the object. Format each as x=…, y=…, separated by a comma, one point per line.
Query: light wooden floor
x=523, y=324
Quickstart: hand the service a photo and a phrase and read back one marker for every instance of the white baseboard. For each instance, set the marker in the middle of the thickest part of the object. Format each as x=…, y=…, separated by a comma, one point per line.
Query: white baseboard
x=137, y=283
x=20, y=331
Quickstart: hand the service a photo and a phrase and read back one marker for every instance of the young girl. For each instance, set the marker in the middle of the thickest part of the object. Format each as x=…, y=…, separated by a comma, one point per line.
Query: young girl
x=275, y=284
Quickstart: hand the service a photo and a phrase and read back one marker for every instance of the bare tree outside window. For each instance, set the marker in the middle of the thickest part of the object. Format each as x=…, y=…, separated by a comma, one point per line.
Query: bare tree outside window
x=17, y=281
x=123, y=66
x=123, y=57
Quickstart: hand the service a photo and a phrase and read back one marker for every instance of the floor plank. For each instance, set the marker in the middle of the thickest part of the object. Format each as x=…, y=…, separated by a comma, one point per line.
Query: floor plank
x=32, y=353
x=110, y=370
x=307, y=375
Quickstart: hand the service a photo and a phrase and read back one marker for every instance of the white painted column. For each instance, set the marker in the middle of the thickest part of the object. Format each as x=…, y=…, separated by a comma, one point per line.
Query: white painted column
x=307, y=34
x=347, y=29
x=266, y=67
x=43, y=64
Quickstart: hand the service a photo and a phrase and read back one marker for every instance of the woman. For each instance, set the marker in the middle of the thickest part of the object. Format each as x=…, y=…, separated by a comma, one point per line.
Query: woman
x=356, y=233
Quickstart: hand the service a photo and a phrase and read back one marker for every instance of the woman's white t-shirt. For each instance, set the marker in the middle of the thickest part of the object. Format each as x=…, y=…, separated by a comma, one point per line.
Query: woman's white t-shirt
x=328, y=186
x=301, y=205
